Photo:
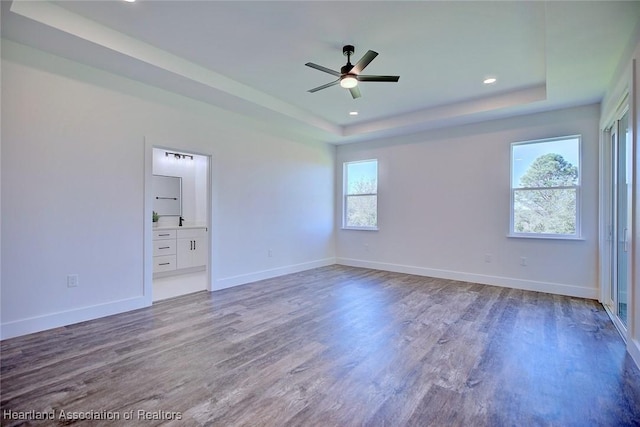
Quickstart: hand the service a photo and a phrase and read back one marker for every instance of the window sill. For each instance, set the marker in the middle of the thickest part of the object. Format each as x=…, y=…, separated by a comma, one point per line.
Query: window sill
x=544, y=237
x=361, y=228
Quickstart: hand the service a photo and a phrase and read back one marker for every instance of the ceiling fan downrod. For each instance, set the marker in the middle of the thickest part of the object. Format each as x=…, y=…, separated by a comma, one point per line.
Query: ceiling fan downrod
x=347, y=51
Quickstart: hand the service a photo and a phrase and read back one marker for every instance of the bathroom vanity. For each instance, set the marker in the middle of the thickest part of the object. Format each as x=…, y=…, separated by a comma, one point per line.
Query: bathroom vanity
x=178, y=250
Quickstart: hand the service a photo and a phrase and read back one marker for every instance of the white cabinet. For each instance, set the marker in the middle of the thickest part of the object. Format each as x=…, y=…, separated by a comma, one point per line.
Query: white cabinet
x=176, y=249
x=192, y=247
x=164, y=263
x=164, y=247
x=164, y=234
x=164, y=250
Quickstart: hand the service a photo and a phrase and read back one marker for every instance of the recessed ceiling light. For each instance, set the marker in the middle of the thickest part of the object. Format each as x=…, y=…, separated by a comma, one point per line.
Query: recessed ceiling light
x=129, y=1
x=489, y=80
x=353, y=113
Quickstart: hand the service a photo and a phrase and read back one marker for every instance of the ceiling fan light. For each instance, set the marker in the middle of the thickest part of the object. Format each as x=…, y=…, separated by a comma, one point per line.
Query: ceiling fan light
x=348, y=82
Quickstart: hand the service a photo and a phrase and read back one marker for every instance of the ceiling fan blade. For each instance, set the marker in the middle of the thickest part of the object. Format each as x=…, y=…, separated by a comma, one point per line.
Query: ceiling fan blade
x=315, y=89
x=355, y=92
x=364, y=61
x=321, y=68
x=377, y=78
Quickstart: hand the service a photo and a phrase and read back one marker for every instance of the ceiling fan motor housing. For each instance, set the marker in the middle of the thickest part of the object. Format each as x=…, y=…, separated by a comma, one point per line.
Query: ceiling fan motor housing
x=346, y=68
x=348, y=50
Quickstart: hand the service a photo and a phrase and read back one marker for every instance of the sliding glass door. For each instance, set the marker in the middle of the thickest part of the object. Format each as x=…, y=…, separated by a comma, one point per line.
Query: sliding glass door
x=620, y=218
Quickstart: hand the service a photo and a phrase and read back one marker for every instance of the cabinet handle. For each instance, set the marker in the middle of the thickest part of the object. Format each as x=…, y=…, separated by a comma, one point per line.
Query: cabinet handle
x=164, y=263
x=165, y=247
x=161, y=235
x=194, y=245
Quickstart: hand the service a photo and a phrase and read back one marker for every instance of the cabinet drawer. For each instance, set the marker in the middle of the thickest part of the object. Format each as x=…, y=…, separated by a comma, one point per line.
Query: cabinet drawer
x=164, y=234
x=190, y=233
x=164, y=263
x=164, y=247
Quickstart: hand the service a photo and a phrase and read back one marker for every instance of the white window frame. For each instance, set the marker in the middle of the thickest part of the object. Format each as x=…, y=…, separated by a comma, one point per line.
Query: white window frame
x=345, y=195
x=578, y=188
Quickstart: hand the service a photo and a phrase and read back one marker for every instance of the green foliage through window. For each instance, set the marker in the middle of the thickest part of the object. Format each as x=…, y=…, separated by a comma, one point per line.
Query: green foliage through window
x=545, y=189
x=361, y=194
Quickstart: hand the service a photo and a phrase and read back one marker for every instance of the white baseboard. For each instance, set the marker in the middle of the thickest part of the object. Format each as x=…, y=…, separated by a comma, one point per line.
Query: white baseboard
x=50, y=321
x=242, y=279
x=528, y=285
x=64, y=318
x=633, y=347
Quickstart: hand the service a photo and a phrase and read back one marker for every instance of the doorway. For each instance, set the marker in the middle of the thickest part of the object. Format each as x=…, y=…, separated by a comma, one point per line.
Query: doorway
x=179, y=241
x=619, y=187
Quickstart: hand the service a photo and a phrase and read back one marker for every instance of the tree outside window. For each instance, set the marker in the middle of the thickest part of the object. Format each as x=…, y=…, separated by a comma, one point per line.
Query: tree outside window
x=361, y=195
x=546, y=188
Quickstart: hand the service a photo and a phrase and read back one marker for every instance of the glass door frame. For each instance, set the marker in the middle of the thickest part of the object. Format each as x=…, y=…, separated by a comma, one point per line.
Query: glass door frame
x=610, y=224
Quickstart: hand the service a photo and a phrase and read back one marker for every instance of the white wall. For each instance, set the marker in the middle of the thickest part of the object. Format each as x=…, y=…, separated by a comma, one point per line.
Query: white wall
x=444, y=203
x=73, y=158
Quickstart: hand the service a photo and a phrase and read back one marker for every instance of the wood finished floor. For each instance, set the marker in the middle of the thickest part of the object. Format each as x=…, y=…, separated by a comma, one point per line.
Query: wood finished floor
x=335, y=346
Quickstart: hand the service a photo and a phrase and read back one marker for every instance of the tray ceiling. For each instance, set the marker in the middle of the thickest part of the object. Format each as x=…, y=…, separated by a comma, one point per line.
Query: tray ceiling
x=249, y=56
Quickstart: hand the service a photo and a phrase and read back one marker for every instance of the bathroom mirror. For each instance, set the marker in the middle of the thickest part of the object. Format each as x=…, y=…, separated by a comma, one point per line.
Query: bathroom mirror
x=167, y=195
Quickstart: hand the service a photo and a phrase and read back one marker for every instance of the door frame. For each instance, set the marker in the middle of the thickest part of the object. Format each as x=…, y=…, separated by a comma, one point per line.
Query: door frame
x=149, y=145
x=608, y=218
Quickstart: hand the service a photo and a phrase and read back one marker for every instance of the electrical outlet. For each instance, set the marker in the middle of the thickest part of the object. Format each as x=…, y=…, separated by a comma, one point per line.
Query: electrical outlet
x=523, y=261
x=72, y=281
x=270, y=253
x=487, y=257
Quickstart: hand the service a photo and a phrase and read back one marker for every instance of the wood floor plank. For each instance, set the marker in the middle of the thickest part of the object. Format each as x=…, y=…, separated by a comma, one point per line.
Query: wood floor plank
x=333, y=346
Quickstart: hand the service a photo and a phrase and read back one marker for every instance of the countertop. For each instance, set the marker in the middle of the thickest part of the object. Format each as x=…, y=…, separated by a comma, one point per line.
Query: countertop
x=175, y=227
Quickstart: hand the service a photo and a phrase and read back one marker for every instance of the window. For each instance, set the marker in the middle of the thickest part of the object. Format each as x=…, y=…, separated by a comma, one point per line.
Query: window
x=545, y=188
x=360, y=208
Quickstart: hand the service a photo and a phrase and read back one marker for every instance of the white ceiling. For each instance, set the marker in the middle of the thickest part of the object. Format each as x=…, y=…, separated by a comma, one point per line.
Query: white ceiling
x=249, y=56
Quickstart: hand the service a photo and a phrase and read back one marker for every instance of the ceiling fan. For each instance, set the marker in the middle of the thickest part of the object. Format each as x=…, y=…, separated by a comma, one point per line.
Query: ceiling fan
x=349, y=74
